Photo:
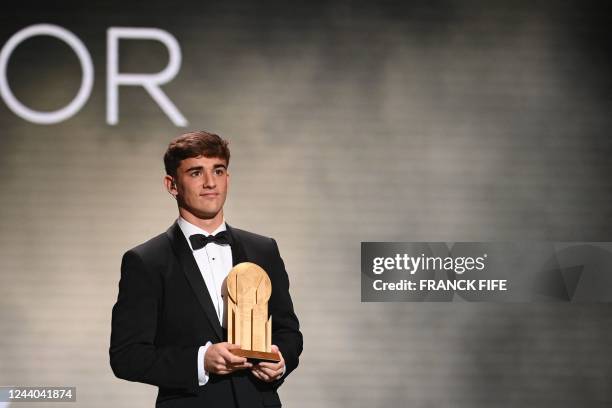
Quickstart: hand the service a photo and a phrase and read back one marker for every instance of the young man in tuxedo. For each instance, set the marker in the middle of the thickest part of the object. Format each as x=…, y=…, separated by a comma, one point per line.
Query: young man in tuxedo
x=169, y=322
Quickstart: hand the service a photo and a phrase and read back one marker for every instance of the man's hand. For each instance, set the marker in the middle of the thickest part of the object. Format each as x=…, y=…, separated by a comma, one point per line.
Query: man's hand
x=219, y=360
x=269, y=372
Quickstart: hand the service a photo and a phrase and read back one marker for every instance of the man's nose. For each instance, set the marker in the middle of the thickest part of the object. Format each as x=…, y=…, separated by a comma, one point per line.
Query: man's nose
x=209, y=180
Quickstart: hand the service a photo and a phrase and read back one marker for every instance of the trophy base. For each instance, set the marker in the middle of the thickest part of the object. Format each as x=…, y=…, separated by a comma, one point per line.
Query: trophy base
x=257, y=356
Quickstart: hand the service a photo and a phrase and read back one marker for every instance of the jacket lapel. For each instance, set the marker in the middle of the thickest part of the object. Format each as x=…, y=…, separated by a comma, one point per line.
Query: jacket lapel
x=238, y=253
x=192, y=272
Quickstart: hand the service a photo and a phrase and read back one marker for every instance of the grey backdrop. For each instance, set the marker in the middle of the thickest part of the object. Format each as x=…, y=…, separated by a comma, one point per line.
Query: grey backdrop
x=348, y=122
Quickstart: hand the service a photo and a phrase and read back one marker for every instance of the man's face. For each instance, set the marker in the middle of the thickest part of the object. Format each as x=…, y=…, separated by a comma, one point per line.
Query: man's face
x=201, y=186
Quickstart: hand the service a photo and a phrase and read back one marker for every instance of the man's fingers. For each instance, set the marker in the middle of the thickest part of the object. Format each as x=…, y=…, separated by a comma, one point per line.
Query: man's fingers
x=240, y=366
x=265, y=373
x=231, y=358
x=269, y=364
x=269, y=372
x=222, y=361
x=259, y=374
x=256, y=373
x=275, y=349
x=227, y=369
x=272, y=366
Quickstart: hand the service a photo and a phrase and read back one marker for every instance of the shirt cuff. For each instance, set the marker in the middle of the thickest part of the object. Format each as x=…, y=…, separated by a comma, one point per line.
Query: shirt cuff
x=202, y=373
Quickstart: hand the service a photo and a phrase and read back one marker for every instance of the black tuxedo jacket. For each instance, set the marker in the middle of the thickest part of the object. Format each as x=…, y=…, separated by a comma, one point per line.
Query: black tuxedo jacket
x=164, y=314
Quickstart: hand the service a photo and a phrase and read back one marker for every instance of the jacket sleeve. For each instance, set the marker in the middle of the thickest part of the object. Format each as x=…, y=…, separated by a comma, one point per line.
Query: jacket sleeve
x=134, y=356
x=285, y=325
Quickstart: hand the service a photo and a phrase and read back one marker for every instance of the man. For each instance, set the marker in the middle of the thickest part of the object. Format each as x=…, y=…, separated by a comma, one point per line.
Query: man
x=169, y=322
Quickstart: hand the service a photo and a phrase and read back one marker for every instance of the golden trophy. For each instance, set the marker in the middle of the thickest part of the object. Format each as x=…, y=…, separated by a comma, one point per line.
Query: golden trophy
x=249, y=289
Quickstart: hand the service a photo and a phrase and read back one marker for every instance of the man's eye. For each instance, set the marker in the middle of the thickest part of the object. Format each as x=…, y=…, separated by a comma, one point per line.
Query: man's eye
x=219, y=172
x=195, y=174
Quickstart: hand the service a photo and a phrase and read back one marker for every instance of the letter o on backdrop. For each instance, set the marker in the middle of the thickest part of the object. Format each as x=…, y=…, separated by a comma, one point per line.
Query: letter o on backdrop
x=86, y=81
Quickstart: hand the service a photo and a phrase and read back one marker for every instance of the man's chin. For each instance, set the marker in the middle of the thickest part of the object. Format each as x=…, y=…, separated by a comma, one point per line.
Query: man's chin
x=207, y=215
x=203, y=215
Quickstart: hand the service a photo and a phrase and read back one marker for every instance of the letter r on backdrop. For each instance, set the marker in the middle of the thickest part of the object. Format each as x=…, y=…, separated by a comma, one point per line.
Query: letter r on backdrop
x=150, y=82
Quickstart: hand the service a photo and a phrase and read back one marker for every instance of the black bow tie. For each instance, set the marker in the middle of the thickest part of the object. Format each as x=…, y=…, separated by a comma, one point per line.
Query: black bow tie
x=200, y=240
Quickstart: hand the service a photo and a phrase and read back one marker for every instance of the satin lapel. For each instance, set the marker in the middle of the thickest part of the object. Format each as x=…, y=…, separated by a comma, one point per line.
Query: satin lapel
x=238, y=253
x=192, y=272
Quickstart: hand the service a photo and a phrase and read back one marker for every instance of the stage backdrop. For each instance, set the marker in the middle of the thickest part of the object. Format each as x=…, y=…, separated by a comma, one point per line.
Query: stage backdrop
x=348, y=122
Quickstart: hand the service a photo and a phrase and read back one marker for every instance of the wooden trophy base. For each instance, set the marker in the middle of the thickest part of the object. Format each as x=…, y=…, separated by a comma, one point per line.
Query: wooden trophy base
x=257, y=356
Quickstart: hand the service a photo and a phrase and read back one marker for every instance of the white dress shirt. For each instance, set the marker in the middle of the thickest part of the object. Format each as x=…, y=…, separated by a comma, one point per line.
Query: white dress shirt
x=215, y=263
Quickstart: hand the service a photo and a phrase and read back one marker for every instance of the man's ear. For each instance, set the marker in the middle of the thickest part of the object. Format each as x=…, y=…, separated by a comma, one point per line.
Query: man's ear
x=170, y=185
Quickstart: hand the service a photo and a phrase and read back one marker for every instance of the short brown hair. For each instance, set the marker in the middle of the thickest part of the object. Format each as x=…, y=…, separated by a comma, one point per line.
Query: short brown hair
x=194, y=144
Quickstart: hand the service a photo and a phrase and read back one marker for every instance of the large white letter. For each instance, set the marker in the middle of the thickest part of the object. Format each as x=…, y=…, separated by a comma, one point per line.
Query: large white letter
x=150, y=82
x=86, y=82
